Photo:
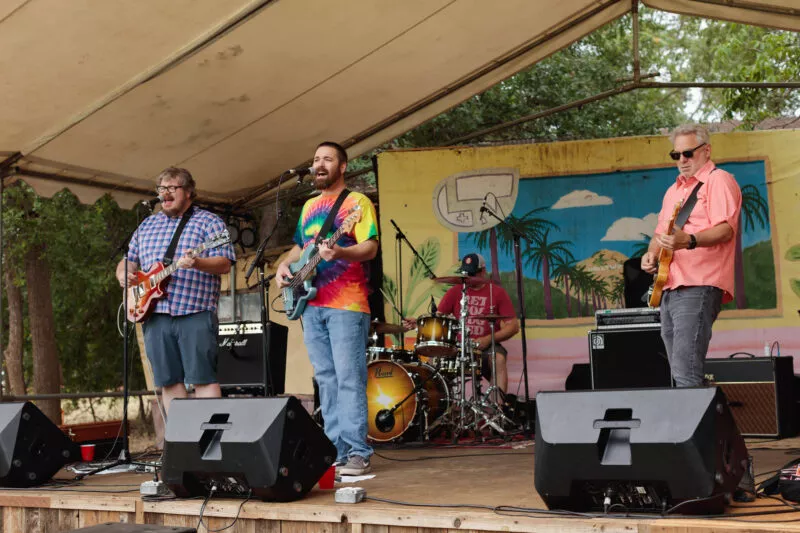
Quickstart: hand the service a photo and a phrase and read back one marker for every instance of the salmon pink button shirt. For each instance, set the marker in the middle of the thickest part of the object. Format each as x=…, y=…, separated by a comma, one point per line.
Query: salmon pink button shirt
x=719, y=200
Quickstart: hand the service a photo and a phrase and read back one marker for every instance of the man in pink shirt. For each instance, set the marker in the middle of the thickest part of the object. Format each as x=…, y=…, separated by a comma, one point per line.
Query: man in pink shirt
x=701, y=273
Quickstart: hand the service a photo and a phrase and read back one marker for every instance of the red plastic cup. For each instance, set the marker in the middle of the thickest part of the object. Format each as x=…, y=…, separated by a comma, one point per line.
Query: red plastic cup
x=87, y=452
x=326, y=482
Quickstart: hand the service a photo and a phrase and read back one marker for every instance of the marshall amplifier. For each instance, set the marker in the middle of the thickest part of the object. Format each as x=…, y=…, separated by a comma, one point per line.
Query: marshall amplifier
x=242, y=367
x=759, y=391
x=631, y=358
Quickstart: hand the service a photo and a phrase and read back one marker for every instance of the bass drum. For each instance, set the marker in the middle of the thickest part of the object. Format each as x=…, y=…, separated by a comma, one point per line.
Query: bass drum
x=388, y=383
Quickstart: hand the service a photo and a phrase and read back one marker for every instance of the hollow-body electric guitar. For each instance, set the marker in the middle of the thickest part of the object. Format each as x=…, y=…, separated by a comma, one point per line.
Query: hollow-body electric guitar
x=149, y=286
x=300, y=290
x=664, y=259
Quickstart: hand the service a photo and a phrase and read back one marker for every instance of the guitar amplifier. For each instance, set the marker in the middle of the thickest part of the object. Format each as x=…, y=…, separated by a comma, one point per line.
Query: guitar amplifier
x=241, y=365
x=631, y=358
x=759, y=391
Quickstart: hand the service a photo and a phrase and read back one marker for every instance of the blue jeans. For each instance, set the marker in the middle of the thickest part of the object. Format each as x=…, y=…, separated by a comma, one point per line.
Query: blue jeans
x=687, y=314
x=337, y=344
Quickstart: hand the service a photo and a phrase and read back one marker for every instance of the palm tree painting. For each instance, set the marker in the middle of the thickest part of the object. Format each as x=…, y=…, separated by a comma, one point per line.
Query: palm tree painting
x=563, y=271
x=754, y=209
x=540, y=255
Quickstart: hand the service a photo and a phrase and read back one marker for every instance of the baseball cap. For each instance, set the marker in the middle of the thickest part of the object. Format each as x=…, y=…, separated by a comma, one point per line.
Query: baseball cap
x=472, y=263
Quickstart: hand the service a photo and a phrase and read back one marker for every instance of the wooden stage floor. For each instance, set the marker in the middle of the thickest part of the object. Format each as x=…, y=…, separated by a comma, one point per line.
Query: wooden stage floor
x=431, y=476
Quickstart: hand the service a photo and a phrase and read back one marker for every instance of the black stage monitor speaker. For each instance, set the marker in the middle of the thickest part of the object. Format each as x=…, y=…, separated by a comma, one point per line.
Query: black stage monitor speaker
x=32, y=448
x=269, y=446
x=628, y=359
x=241, y=365
x=645, y=450
x=117, y=527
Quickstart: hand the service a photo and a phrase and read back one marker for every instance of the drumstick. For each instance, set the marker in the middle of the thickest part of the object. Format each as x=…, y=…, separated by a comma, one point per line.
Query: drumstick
x=396, y=310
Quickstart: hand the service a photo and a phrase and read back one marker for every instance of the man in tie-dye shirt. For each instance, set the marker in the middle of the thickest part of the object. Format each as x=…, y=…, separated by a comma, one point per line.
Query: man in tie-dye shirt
x=336, y=321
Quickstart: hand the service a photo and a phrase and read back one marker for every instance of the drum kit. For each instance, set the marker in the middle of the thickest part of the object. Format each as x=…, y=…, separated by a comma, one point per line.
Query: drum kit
x=434, y=388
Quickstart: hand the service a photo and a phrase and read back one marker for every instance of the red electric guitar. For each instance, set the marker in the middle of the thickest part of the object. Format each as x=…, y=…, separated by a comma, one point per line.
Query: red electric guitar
x=150, y=285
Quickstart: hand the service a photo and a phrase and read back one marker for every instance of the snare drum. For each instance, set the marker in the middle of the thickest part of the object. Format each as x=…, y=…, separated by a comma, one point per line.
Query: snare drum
x=388, y=382
x=376, y=353
x=437, y=336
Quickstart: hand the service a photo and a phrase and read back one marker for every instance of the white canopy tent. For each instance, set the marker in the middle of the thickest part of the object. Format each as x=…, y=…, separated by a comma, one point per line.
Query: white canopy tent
x=100, y=95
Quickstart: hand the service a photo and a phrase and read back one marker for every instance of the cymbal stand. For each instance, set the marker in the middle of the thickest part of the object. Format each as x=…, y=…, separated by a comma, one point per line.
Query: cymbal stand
x=488, y=401
x=467, y=408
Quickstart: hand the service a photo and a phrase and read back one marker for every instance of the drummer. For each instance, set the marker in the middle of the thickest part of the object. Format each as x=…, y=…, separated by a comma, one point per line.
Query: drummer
x=486, y=298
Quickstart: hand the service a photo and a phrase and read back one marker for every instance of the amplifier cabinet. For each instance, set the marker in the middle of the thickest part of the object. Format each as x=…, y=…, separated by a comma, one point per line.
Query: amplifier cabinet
x=241, y=365
x=628, y=359
x=759, y=391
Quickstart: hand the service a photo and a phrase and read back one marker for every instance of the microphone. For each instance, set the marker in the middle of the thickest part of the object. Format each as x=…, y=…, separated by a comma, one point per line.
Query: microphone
x=384, y=420
x=302, y=172
x=483, y=210
x=152, y=202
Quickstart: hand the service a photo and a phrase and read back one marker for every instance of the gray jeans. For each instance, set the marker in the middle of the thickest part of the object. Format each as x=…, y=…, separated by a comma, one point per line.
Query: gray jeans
x=687, y=314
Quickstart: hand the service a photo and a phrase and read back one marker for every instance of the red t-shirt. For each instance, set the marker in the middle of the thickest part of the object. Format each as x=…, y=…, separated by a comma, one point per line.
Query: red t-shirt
x=489, y=299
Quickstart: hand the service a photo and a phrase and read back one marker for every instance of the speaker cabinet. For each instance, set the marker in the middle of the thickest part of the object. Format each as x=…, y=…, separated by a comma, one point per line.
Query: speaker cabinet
x=117, y=527
x=241, y=364
x=269, y=447
x=628, y=359
x=760, y=393
x=32, y=448
x=645, y=450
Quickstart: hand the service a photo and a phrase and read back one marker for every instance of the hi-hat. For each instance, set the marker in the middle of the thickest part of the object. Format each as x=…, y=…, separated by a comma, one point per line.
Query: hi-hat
x=471, y=281
x=386, y=328
x=492, y=317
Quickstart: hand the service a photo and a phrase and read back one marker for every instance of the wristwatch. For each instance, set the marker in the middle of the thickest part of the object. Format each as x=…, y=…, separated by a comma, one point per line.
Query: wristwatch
x=692, y=242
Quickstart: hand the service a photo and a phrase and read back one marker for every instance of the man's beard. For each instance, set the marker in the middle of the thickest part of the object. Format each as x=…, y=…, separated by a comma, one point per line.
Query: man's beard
x=324, y=181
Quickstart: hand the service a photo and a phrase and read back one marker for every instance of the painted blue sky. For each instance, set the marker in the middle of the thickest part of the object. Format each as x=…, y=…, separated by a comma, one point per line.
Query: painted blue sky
x=612, y=196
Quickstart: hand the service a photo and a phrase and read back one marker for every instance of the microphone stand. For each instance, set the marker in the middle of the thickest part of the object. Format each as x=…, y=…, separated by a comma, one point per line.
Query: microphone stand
x=263, y=285
x=124, y=457
x=399, y=238
x=518, y=235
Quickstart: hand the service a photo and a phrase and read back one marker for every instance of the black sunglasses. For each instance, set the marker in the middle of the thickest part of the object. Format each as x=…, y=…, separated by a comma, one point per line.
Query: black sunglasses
x=688, y=154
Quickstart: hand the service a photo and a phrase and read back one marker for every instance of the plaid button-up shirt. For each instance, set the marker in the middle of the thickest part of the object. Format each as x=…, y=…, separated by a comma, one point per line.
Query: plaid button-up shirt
x=188, y=290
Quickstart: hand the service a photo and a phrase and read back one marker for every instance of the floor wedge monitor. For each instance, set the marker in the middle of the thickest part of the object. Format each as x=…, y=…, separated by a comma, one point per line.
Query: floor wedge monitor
x=268, y=448
x=645, y=450
x=32, y=448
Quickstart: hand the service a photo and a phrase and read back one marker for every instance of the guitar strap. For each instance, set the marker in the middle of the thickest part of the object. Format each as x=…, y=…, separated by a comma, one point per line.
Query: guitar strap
x=687, y=207
x=326, y=226
x=168, y=256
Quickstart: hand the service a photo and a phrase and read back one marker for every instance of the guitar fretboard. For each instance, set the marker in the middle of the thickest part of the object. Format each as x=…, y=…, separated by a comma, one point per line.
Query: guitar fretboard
x=301, y=275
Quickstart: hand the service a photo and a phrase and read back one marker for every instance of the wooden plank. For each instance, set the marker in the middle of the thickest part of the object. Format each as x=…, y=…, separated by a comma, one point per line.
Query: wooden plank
x=68, y=519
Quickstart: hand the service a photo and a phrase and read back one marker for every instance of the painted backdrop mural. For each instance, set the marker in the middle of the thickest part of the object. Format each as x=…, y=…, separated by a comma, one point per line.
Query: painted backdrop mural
x=582, y=228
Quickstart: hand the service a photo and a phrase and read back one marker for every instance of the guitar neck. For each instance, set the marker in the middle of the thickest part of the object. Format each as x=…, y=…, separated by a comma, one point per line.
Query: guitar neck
x=168, y=271
x=303, y=273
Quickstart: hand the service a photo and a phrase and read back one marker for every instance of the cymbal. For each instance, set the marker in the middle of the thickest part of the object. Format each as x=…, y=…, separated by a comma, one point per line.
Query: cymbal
x=492, y=317
x=471, y=281
x=386, y=328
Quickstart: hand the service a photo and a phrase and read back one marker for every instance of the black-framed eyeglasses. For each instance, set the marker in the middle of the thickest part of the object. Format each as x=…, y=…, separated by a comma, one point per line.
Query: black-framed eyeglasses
x=171, y=188
x=688, y=154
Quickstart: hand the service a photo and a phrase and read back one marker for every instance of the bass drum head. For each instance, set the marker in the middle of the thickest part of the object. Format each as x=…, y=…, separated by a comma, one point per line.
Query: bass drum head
x=387, y=384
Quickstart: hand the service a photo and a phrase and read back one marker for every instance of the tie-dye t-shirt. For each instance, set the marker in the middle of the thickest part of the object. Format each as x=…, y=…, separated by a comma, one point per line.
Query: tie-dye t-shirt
x=340, y=284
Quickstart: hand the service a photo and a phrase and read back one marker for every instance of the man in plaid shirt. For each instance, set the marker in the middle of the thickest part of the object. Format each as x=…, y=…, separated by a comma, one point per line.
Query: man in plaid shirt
x=181, y=335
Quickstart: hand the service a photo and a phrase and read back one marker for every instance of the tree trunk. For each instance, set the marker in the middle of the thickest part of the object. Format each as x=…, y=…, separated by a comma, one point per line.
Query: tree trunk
x=738, y=270
x=13, y=352
x=46, y=370
x=566, y=294
x=548, y=301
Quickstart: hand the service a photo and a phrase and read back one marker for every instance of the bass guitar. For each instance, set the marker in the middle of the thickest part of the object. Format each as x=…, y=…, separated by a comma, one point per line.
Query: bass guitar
x=150, y=286
x=300, y=290
x=664, y=259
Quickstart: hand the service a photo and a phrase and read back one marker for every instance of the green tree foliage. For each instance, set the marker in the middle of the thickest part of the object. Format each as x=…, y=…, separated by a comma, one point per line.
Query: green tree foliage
x=79, y=244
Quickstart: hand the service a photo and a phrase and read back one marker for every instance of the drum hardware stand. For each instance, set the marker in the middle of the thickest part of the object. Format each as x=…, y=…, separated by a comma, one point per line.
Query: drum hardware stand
x=518, y=235
x=487, y=401
x=468, y=407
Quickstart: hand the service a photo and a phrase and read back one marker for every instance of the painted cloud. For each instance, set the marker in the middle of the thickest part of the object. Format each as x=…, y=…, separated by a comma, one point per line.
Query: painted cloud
x=583, y=198
x=631, y=229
